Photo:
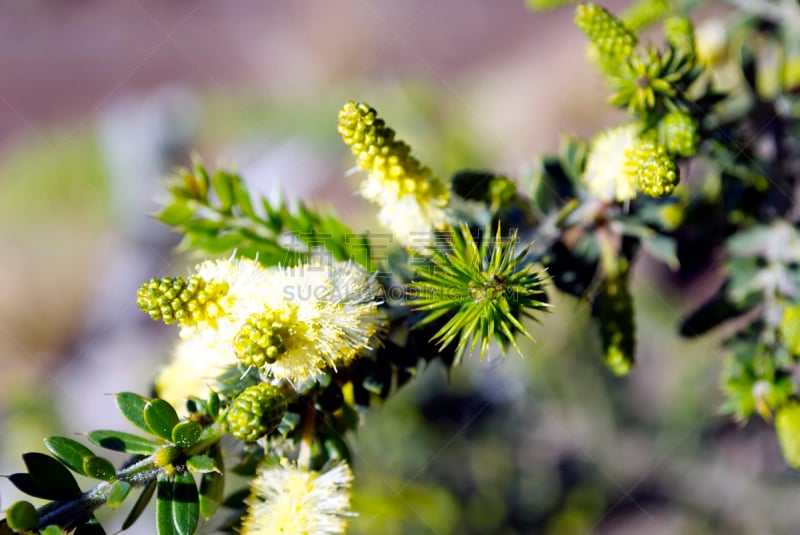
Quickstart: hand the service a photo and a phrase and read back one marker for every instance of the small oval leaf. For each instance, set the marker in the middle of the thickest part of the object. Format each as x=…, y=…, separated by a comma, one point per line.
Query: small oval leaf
x=185, y=504
x=21, y=516
x=119, y=441
x=69, y=452
x=160, y=418
x=141, y=503
x=200, y=464
x=132, y=408
x=185, y=434
x=51, y=475
x=213, y=405
x=99, y=468
x=212, y=485
x=119, y=491
x=52, y=529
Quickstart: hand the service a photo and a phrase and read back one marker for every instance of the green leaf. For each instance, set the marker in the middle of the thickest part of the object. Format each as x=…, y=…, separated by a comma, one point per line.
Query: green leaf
x=132, y=408
x=119, y=491
x=69, y=452
x=165, y=524
x=185, y=504
x=99, y=468
x=185, y=434
x=176, y=213
x=242, y=199
x=21, y=516
x=25, y=483
x=51, y=475
x=140, y=505
x=212, y=485
x=160, y=418
x=201, y=464
x=52, y=529
x=213, y=405
x=223, y=187
x=120, y=441
x=663, y=248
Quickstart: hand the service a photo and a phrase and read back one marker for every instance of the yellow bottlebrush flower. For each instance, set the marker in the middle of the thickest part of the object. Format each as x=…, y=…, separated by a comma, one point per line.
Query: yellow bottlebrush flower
x=607, y=175
x=193, y=371
x=309, y=318
x=289, y=323
x=412, y=200
x=287, y=499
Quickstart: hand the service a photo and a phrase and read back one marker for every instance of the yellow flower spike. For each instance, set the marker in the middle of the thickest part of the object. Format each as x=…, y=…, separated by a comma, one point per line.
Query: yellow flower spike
x=288, y=500
x=412, y=200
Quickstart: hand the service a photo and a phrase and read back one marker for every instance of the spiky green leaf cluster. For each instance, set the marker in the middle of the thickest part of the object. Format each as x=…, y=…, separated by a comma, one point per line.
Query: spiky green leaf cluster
x=217, y=215
x=653, y=81
x=483, y=291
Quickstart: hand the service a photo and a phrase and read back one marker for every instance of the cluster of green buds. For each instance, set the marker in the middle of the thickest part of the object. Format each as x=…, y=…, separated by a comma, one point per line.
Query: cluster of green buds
x=611, y=39
x=171, y=299
x=263, y=337
x=256, y=412
x=613, y=313
x=655, y=172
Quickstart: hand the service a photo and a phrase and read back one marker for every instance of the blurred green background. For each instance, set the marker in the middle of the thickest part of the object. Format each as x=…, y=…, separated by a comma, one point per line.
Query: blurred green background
x=99, y=101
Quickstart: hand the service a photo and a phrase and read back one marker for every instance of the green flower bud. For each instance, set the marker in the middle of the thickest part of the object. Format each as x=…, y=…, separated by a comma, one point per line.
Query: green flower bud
x=787, y=427
x=175, y=299
x=606, y=32
x=643, y=13
x=680, y=34
x=264, y=337
x=256, y=412
x=656, y=173
x=679, y=134
x=614, y=315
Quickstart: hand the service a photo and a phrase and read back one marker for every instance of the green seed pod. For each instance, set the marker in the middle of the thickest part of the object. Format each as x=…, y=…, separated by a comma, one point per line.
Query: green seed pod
x=171, y=299
x=613, y=313
x=256, y=412
x=787, y=427
x=679, y=134
x=656, y=173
